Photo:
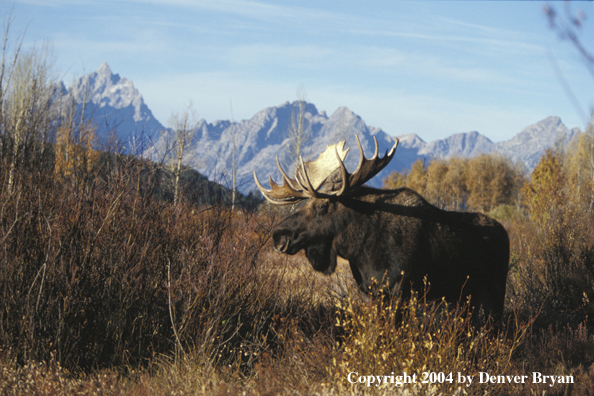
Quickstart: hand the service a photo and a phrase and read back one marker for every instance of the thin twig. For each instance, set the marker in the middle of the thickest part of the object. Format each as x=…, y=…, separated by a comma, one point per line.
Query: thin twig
x=170, y=309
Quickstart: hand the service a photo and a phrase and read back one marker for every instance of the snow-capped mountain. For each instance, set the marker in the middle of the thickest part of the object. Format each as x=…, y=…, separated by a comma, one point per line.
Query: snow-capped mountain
x=117, y=105
x=259, y=140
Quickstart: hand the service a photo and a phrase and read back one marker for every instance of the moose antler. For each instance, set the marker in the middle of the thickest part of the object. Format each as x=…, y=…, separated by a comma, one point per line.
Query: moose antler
x=368, y=168
x=313, y=178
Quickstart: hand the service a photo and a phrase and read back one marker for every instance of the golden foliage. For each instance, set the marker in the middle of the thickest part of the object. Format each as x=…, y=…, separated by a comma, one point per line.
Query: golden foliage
x=544, y=194
x=419, y=338
x=481, y=183
x=492, y=180
x=580, y=166
x=416, y=179
x=553, y=248
x=75, y=153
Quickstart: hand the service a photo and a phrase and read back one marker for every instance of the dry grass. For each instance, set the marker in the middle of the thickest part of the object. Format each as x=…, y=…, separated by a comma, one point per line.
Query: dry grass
x=297, y=274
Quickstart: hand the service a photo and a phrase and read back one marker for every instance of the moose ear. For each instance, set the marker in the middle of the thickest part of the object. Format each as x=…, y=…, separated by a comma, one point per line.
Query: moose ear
x=332, y=183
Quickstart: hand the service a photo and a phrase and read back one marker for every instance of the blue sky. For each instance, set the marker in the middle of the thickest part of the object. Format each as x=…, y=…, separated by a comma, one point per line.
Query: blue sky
x=428, y=67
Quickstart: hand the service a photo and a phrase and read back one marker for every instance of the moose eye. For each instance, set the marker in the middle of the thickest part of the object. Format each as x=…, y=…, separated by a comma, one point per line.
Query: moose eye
x=322, y=207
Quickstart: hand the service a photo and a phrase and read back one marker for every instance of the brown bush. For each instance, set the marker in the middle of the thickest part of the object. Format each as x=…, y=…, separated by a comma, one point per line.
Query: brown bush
x=109, y=275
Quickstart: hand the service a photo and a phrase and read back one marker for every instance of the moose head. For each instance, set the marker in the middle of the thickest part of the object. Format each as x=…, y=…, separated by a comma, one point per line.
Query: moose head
x=327, y=186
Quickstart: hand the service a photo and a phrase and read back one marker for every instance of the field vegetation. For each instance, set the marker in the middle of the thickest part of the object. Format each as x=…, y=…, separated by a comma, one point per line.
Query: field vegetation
x=109, y=287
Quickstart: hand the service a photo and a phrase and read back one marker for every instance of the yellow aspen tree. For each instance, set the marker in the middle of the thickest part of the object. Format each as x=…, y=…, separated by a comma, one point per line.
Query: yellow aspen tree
x=417, y=177
x=395, y=180
x=580, y=167
x=455, y=184
x=434, y=190
x=478, y=183
x=75, y=153
x=543, y=194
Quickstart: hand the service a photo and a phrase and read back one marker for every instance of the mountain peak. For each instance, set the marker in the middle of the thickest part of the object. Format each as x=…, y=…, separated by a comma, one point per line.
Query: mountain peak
x=344, y=113
x=552, y=120
x=104, y=69
x=115, y=100
x=307, y=106
x=100, y=78
x=467, y=144
x=530, y=144
x=411, y=139
x=548, y=127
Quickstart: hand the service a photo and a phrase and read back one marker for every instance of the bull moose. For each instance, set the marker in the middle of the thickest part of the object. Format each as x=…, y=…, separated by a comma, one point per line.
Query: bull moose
x=393, y=235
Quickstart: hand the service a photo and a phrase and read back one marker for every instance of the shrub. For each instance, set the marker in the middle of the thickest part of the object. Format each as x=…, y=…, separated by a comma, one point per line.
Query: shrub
x=106, y=275
x=418, y=337
x=508, y=214
x=553, y=252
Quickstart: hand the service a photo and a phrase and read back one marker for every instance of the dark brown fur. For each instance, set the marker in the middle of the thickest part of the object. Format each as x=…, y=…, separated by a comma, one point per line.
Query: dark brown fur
x=397, y=235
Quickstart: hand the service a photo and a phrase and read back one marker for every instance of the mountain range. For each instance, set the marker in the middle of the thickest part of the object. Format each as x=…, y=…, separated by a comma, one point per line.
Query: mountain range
x=117, y=106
